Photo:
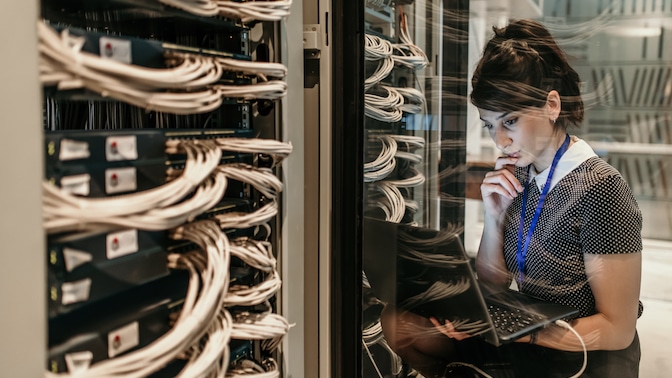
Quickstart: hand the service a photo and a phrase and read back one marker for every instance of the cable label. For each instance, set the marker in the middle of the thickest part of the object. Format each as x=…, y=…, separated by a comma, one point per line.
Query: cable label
x=119, y=180
x=77, y=291
x=116, y=49
x=121, y=243
x=123, y=339
x=121, y=148
x=73, y=150
x=77, y=184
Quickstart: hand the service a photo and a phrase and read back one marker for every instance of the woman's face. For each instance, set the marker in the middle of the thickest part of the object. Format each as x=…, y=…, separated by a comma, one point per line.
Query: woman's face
x=528, y=135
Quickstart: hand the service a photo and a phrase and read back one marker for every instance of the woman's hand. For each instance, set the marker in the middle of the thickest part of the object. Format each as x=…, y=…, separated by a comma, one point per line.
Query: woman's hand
x=500, y=186
x=448, y=329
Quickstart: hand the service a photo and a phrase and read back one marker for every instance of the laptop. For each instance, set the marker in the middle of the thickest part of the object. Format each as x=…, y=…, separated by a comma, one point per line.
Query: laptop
x=428, y=272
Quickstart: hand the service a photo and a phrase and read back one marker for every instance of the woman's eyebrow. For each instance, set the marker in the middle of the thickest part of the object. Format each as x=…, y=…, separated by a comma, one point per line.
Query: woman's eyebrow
x=500, y=117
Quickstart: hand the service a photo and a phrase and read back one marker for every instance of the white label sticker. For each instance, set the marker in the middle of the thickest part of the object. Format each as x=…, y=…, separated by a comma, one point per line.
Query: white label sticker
x=121, y=243
x=121, y=148
x=77, y=291
x=123, y=339
x=116, y=49
x=119, y=180
x=78, y=362
x=77, y=184
x=74, y=258
x=73, y=149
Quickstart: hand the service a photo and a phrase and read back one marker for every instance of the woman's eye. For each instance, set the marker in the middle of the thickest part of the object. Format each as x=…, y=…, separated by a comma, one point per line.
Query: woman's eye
x=487, y=126
x=510, y=122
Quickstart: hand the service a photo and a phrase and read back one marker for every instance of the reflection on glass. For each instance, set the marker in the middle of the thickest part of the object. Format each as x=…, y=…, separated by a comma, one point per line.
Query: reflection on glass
x=426, y=150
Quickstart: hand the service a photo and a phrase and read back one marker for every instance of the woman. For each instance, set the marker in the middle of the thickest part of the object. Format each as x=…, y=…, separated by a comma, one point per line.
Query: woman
x=580, y=240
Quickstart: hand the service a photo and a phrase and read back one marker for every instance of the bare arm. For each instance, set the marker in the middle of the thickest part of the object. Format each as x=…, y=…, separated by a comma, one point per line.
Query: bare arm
x=498, y=190
x=615, y=281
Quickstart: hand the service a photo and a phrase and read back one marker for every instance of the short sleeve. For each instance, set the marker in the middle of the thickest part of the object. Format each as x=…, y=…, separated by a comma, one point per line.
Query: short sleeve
x=611, y=219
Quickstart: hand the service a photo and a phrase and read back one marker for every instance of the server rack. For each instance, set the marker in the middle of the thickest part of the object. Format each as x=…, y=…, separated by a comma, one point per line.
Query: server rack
x=22, y=302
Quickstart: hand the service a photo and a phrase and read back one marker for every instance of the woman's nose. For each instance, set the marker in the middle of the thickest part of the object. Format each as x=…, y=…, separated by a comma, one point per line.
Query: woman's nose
x=501, y=138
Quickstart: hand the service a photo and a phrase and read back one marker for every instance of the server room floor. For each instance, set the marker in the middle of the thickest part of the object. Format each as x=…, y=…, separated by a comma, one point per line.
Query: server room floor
x=654, y=327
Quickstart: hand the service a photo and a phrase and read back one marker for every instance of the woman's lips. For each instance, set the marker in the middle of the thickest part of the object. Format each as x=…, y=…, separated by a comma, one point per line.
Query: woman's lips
x=514, y=155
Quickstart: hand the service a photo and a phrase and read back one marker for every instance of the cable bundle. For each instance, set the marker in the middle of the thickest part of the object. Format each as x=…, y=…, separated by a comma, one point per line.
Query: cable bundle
x=259, y=326
x=390, y=107
x=392, y=203
x=252, y=369
x=257, y=254
x=384, y=163
x=246, y=11
x=207, y=287
x=62, y=63
x=243, y=295
x=373, y=335
x=168, y=206
x=209, y=273
x=386, y=107
x=377, y=48
x=408, y=53
x=154, y=209
x=416, y=180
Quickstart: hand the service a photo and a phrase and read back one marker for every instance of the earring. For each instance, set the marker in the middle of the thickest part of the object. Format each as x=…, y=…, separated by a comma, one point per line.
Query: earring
x=553, y=120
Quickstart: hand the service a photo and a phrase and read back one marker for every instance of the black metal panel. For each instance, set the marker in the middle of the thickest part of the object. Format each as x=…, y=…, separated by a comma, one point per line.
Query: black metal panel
x=347, y=39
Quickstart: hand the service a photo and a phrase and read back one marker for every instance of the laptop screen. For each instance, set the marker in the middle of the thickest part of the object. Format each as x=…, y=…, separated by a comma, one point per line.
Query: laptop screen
x=424, y=271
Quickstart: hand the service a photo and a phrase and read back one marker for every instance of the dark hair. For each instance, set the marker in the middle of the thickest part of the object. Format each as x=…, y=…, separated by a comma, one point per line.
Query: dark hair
x=521, y=64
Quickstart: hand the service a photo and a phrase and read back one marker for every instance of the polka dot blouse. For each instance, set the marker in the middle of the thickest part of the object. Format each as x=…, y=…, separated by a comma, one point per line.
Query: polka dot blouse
x=591, y=210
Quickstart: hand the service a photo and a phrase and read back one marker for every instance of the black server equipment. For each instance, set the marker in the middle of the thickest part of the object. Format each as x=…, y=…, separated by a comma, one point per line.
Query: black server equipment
x=160, y=191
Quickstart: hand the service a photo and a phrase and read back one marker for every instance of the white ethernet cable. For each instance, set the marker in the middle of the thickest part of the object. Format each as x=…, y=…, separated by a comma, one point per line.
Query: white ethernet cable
x=385, y=66
x=254, y=10
x=409, y=140
x=209, y=346
x=374, y=335
x=394, y=205
x=251, y=369
x=243, y=295
x=560, y=323
x=261, y=179
x=246, y=11
x=385, y=109
x=157, y=208
x=202, y=158
x=255, y=253
x=62, y=63
x=205, y=8
x=64, y=51
x=210, y=356
x=262, y=70
x=414, y=100
x=246, y=220
x=277, y=149
x=384, y=163
x=204, y=298
x=259, y=326
x=416, y=180
x=408, y=53
x=377, y=48
x=411, y=157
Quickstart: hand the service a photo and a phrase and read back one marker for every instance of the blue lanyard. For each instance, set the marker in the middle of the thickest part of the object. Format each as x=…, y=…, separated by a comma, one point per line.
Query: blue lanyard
x=521, y=252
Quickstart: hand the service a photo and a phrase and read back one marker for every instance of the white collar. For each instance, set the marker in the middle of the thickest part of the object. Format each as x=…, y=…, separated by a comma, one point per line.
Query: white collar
x=577, y=153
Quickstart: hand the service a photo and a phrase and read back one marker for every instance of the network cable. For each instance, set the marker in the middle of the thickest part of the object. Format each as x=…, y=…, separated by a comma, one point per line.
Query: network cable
x=251, y=369
x=246, y=11
x=62, y=63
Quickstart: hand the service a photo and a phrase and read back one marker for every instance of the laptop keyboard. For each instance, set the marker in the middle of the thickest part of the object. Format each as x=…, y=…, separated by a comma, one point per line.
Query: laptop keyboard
x=509, y=320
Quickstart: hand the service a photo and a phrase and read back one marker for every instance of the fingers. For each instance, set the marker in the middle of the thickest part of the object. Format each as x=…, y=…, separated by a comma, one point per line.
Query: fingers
x=448, y=329
x=502, y=182
x=504, y=161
